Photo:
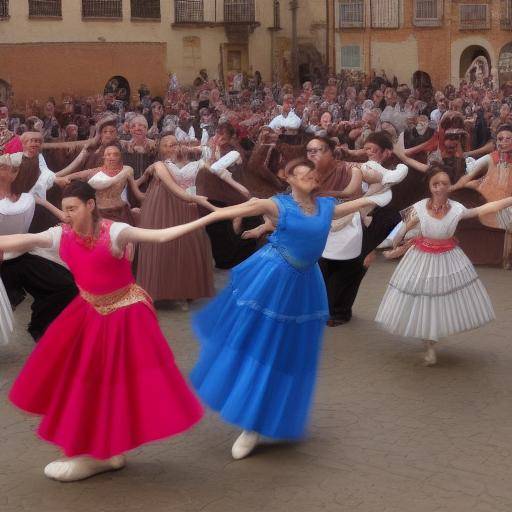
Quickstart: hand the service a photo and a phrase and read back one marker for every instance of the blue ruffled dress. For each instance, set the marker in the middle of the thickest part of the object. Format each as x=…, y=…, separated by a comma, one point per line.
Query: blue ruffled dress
x=261, y=336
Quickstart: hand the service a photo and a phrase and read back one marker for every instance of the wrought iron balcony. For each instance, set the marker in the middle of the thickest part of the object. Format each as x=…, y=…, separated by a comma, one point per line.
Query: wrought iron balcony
x=45, y=8
x=102, y=9
x=145, y=9
x=210, y=12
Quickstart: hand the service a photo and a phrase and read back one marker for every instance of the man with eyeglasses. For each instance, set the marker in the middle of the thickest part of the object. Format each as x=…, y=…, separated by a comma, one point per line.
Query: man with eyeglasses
x=348, y=244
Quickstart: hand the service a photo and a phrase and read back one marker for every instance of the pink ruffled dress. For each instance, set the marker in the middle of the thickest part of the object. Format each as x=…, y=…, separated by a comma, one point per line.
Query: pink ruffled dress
x=103, y=375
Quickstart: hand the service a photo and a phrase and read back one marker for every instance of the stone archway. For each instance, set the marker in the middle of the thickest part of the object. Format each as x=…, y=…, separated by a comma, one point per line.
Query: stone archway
x=475, y=64
x=505, y=64
x=309, y=59
x=5, y=91
x=119, y=87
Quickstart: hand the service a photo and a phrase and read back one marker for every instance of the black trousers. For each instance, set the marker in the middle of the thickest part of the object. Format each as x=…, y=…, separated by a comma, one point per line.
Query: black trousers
x=228, y=248
x=343, y=277
x=51, y=285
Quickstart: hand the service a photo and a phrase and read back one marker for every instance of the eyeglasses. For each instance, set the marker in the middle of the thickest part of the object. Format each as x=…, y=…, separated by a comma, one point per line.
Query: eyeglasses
x=504, y=139
x=314, y=151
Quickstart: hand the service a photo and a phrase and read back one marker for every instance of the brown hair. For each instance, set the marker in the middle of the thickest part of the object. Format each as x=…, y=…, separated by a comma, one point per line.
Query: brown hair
x=84, y=192
x=434, y=169
x=290, y=167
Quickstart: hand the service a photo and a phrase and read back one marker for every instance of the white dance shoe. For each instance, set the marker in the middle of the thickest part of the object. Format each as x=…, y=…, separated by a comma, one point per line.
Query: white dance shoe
x=430, y=357
x=244, y=445
x=79, y=468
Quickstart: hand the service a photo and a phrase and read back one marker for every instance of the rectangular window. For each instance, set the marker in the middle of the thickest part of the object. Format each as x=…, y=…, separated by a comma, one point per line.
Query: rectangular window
x=351, y=13
x=239, y=11
x=4, y=9
x=428, y=13
x=188, y=11
x=474, y=16
x=45, y=8
x=351, y=56
x=102, y=9
x=146, y=9
x=506, y=14
x=385, y=13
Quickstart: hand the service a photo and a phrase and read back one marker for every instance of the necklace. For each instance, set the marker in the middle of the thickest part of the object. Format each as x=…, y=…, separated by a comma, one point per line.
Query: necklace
x=305, y=207
x=437, y=209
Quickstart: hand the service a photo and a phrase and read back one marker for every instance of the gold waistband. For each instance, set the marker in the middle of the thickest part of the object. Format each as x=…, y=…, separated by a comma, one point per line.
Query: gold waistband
x=110, y=302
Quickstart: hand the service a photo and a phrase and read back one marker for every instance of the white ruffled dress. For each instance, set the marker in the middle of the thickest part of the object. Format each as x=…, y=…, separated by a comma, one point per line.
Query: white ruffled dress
x=433, y=295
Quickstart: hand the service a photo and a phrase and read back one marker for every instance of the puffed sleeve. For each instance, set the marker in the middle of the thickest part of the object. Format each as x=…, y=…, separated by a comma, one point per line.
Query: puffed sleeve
x=115, y=230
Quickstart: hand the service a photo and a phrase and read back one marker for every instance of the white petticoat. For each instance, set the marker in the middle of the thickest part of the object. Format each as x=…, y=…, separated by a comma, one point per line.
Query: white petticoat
x=6, y=318
x=431, y=296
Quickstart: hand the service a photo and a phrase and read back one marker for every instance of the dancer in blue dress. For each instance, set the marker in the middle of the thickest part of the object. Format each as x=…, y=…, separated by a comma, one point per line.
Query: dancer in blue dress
x=261, y=336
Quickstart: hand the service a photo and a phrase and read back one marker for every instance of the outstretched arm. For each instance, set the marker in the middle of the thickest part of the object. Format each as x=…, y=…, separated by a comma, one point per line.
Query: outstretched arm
x=25, y=242
x=349, y=207
x=481, y=165
x=248, y=209
x=407, y=160
x=492, y=207
x=51, y=208
x=170, y=184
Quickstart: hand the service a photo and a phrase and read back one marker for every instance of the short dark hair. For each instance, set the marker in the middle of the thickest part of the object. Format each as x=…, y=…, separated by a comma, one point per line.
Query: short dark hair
x=381, y=139
x=328, y=142
x=80, y=189
x=84, y=192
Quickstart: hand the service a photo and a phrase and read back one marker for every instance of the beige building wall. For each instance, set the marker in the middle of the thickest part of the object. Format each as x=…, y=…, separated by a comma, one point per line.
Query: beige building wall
x=442, y=51
x=81, y=55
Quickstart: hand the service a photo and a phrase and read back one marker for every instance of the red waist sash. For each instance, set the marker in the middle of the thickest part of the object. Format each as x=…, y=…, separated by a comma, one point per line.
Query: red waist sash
x=435, y=246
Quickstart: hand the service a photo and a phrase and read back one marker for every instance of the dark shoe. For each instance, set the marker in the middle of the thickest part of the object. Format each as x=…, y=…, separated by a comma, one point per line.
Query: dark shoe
x=334, y=322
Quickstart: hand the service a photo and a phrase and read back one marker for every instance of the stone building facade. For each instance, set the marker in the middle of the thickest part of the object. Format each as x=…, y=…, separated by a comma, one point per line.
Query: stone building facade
x=440, y=37
x=53, y=47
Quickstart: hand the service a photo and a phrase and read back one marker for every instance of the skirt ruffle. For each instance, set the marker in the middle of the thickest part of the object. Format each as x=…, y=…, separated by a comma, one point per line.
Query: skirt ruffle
x=105, y=384
x=431, y=296
x=6, y=317
x=260, y=343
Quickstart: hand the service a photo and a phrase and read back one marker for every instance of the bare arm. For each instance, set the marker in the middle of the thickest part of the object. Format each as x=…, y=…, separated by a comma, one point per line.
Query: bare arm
x=354, y=186
x=82, y=175
x=134, y=187
x=481, y=165
x=487, y=148
x=248, y=209
x=406, y=226
x=74, y=165
x=354, y=206
x=51, y=208
x=410, y=162
x=492, y=207
x=170, y=184
x=24, y=243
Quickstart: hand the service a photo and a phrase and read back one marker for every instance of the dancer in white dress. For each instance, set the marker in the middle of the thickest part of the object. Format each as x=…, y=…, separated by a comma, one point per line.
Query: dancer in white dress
x=435, y=290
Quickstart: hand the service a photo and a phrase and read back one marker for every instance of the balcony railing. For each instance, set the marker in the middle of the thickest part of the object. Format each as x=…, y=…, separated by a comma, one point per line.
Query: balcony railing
x=146, y=9
x=351, y=13
x=428, y=13
x=385, y=13
x=239, y=11
x=506, y=14
x=4, y=9
x=45, y=8
x=189, y=11
x=200, y=11
x=474, y=16
x=102, y=9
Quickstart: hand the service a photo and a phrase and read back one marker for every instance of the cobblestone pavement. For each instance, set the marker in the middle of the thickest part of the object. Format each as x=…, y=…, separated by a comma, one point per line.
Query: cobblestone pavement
x=387, y=435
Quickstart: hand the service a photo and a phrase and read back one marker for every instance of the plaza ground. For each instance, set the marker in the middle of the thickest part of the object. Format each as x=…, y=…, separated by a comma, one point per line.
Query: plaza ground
x=386, y=435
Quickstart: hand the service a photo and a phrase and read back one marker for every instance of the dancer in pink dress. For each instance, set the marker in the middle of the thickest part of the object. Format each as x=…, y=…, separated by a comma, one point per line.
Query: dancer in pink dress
x=102, y=376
